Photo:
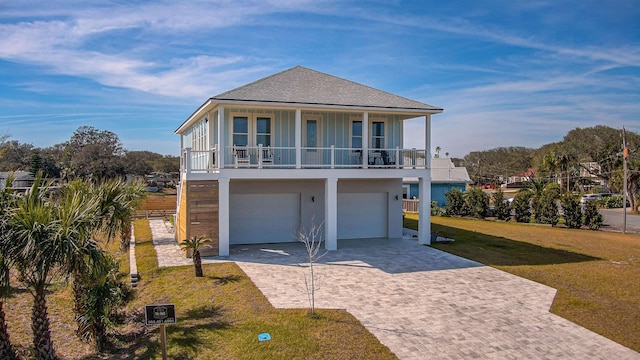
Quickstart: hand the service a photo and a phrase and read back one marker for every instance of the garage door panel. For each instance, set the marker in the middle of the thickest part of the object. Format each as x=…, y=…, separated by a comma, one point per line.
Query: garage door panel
x=362, y=215
x=263, y=218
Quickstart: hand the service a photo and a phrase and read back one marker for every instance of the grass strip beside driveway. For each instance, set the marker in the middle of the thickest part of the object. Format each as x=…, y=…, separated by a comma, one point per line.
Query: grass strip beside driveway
x=220, y=315
x=596, y=273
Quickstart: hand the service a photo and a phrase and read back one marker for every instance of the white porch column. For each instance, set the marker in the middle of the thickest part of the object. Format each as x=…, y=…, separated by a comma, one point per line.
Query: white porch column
x=427, y=141
x=424, y=215
x=298, y=143
x=223, y=217
x=331, y=214
x=365, y=140
x=424, y=211
x=221, y=131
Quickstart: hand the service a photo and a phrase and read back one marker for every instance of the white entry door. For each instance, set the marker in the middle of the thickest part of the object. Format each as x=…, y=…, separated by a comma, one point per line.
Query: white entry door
x=362, y=215
x=263, y=218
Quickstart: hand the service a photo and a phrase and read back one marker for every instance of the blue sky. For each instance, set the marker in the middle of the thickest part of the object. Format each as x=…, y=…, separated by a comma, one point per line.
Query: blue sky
x=507, y=73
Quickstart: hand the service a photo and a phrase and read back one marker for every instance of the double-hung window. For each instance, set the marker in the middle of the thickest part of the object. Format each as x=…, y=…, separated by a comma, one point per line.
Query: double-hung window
x=377, y=135
x=263, y=131
x=240, y=130
x=356, y=134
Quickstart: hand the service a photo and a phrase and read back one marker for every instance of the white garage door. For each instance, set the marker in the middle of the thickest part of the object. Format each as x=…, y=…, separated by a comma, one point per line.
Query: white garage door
x=362, y=215
x=263, y=218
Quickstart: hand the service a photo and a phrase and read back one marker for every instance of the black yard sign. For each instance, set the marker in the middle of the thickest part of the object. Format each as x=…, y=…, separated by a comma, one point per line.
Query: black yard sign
x=160, y=314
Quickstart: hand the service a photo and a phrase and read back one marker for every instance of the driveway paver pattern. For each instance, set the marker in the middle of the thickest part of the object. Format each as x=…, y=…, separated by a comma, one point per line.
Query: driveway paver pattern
x=421, y=302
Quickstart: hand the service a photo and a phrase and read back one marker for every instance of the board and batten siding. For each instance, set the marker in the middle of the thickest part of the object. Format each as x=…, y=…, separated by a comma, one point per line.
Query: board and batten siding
x=335, y=126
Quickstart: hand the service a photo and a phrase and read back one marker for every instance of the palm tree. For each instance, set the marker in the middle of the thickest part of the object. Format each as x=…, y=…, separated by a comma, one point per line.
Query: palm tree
x=118, y=202
x=105, y=203
x=6, y=203
x=32, y=249
x=194, y=245
x=104, y=291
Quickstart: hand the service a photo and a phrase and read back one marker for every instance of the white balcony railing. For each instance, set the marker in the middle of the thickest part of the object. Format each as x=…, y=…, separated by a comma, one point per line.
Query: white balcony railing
x=260, y=157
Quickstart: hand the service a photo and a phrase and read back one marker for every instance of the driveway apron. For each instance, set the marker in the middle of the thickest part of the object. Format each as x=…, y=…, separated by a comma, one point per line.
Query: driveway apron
x=423, y=303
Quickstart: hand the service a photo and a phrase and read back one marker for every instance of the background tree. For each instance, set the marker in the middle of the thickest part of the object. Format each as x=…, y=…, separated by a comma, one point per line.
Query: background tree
x=44, y=160
x=167, y=164
x=489, y=166
x=3, y=140
x=140, y=162
x=92, y=153
x=15, y=156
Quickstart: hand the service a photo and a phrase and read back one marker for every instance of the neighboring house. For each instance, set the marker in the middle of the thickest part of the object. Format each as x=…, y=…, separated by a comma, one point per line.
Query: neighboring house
x=444, y=177
x=296, y=149
x=522, y=177
x=21, y=179
x=590, y=171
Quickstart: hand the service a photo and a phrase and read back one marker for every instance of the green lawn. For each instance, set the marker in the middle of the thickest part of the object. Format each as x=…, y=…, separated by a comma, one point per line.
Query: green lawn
x=597, y=274
x=219, y=316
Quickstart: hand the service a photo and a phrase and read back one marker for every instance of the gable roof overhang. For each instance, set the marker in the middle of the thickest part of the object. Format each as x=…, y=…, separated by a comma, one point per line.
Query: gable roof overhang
x=306, y=89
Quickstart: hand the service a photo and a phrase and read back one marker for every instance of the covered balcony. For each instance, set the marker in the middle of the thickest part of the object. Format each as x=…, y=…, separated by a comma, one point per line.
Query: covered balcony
x=262, y=157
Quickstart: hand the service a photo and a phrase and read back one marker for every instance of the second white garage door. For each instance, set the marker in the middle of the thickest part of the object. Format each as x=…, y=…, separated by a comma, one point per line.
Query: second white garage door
x=362, y=215
x=263, y=218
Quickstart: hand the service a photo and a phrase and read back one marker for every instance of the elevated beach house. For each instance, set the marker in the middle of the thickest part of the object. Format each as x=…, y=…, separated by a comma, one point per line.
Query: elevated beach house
x=296, y=149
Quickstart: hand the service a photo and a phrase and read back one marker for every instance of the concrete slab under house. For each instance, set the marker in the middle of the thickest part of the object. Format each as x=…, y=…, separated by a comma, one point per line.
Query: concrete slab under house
x=296, y=149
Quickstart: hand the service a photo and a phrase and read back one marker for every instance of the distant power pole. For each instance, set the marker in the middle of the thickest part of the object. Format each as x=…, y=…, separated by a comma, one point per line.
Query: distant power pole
x=625, y=156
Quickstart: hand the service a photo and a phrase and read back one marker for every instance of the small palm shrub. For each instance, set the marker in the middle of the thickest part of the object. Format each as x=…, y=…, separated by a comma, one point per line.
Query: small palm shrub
x=194, y=244
x=572, y=211
x=521, y=206
x=502, y=208
x=478, y=202
x=592, y=217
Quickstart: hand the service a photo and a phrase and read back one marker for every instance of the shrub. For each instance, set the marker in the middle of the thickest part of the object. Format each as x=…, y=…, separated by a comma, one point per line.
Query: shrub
x=572, y=211
x=547, y=210
x=456, y=205
x=521, y=206
x=502, y=208
x=477, y=201
x=436, y=210
x=611, y=202
x=592, y=217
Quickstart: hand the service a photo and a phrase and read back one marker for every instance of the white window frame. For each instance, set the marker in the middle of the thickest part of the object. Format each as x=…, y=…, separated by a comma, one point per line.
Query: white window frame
x=233, y=130
x=255, y=136
x=384, y=137
x=351, y=136
x=252, y=127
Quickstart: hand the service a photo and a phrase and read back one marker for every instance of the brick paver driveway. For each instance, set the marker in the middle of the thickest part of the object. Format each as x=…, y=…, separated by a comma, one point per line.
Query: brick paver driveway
x=426, y=304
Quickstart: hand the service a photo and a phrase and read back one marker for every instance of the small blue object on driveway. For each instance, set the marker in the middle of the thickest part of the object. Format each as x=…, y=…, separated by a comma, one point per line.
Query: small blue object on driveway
x=264, y=337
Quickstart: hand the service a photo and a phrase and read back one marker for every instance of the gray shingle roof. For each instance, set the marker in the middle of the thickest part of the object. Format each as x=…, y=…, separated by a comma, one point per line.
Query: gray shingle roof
x=300, y=85
x=443, y=171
